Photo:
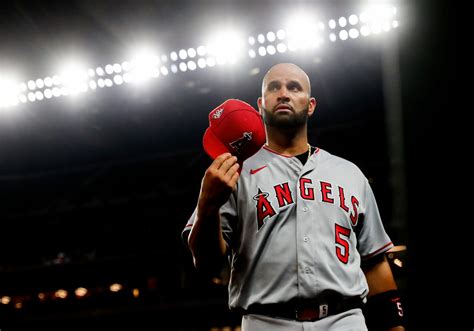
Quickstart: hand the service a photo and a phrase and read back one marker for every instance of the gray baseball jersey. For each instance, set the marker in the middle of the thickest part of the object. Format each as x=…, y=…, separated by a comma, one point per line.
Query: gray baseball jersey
x=297, y=230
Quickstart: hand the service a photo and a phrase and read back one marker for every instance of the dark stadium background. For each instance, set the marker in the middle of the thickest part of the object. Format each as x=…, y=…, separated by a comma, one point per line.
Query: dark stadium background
x=96, y=190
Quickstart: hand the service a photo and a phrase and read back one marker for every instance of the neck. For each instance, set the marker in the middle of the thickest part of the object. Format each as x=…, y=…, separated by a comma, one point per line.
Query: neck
x=284, y=142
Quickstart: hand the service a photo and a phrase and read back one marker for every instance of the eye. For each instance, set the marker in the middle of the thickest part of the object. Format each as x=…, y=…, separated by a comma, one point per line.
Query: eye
x=272, y=87
x=295, y=87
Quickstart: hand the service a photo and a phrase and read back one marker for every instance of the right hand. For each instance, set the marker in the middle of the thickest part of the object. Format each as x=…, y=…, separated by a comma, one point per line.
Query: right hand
x=218, y=182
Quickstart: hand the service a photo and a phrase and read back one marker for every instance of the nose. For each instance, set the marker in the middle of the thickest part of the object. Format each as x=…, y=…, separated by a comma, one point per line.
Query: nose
x=283, y=95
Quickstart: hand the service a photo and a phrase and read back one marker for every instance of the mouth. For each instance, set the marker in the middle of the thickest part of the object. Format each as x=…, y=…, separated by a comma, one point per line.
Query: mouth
x=283, y=107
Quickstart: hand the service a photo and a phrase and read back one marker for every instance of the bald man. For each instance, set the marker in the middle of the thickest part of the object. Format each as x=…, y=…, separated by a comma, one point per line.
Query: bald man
x=296, y=224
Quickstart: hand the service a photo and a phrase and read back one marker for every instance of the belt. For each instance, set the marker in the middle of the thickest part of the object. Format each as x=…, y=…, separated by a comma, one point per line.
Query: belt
x=305, y=311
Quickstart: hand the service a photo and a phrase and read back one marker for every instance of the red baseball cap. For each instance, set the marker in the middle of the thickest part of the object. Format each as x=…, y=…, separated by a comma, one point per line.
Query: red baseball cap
x=234, y=127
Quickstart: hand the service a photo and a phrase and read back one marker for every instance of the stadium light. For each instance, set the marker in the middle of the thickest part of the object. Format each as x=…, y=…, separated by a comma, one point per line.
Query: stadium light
x=5, y=300
x=9, y=92
x=378, y=17
x=226, y=46
x=73, y=79
x=115, y=287
x=80, y=292
x=144, y=65
x=61, y=294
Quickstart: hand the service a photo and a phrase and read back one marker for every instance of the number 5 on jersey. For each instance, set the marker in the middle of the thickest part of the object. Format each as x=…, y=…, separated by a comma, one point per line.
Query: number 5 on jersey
x=342, y=236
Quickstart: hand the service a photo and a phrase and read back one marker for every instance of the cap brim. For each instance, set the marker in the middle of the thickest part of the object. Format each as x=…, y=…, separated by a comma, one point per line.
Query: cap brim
x=212, y=145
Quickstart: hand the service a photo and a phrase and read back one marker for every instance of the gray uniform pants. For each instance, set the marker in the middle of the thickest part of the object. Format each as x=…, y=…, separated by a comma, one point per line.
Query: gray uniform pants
x=351, y=320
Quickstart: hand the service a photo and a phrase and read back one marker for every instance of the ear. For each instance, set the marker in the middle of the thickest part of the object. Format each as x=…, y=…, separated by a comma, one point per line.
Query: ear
x=260, y=105
x=312, y=106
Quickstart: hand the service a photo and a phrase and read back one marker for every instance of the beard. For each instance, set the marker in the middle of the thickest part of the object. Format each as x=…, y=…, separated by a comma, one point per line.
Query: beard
x=292, y=120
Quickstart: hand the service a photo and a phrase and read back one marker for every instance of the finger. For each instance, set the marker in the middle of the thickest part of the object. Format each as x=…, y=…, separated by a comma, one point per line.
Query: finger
x=216, y=164
x=225, y=166
x=234, y=179
x=232, y=170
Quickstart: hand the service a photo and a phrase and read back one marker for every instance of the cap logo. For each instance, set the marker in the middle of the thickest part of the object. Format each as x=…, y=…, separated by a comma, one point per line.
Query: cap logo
x=239, y=144
x=218, y=113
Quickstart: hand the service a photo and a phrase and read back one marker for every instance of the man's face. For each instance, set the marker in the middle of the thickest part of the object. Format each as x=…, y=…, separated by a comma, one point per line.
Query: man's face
x=286, y=101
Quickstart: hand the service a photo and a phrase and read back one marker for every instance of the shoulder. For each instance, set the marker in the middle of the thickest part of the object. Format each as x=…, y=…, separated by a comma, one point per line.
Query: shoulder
x=336, y=162
x=259, y=159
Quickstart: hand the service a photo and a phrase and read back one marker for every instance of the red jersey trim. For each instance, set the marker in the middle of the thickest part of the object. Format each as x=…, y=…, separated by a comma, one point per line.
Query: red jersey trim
x=274, y=152
x=380, y=250
x=287, y=156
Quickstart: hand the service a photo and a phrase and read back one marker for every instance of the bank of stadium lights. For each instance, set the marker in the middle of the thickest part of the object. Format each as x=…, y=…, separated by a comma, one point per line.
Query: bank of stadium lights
x=61, y=294
x=373, y=20
x=302, y=34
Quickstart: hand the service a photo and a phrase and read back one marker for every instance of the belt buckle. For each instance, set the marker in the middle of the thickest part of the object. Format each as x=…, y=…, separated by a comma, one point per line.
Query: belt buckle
x=311, y=314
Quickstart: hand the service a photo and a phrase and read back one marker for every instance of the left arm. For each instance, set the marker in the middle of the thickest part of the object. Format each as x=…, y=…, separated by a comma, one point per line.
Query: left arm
x=380, y=279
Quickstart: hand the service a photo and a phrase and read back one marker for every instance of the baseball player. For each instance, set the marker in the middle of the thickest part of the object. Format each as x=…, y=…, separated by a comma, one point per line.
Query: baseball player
x=300, y=226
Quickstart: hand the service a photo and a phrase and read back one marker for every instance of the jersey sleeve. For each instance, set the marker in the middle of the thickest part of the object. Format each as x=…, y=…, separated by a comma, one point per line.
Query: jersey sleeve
x=187, y=227
x=228, y=216
x=373, y=239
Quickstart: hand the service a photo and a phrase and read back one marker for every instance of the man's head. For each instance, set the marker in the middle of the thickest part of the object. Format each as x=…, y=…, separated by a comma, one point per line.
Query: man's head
x=286, y=100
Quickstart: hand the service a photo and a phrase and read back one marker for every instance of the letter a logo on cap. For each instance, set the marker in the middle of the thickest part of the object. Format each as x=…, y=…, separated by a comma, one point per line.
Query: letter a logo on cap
x=235, y=127
x=239, y=144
